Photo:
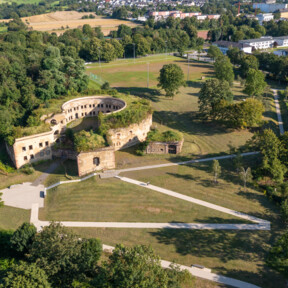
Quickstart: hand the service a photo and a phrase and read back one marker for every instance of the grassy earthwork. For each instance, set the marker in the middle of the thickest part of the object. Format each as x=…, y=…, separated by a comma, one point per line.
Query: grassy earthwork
x=239, y=254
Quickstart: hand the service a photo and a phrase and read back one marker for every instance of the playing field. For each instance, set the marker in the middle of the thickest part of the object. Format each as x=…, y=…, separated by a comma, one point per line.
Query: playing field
x=62, y=20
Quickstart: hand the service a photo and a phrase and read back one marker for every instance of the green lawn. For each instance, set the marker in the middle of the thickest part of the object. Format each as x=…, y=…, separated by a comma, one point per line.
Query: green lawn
x=238, y=254
x=11, y=218
x=196, y=180
x=117, y=201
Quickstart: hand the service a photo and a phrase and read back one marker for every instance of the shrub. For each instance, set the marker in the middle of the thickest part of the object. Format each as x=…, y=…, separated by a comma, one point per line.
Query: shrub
x=27, y=169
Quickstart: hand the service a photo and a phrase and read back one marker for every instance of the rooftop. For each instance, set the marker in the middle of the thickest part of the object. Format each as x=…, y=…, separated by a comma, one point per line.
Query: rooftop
x=230, y=44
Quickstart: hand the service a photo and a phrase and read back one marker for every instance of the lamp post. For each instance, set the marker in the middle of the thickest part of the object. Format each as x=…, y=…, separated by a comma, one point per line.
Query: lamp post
x=134, y=51
x=188, y=67
x=166, y=49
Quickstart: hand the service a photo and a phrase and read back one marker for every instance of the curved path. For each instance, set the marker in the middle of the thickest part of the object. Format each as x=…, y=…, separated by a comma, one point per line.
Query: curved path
x=278, y=111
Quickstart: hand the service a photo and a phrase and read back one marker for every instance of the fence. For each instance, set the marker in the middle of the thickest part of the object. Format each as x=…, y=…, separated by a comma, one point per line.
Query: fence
x=96, y=78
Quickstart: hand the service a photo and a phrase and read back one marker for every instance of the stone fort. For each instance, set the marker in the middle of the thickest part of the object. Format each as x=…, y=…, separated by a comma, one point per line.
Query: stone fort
x=34, y=148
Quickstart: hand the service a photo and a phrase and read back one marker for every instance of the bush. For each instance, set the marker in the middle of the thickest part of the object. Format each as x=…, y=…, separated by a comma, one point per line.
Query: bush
x=105, y=86
x=27, y=169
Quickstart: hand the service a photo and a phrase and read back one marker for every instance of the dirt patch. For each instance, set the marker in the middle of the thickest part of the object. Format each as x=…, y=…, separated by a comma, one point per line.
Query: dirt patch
x=54, y=21
x=154, y=210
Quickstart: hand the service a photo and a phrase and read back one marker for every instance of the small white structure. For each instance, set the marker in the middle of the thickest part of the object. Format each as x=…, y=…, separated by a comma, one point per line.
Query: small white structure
x=225, y=45
x=260, y=43
x=264, y=17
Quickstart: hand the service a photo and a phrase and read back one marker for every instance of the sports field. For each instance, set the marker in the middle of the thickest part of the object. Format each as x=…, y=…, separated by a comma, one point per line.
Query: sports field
x=61, y=20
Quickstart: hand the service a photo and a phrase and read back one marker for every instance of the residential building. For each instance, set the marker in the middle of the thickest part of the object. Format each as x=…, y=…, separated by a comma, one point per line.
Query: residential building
x=260, y=43
x=264, y=17
x=281, y=41
x=270, y=8
x=225, y=45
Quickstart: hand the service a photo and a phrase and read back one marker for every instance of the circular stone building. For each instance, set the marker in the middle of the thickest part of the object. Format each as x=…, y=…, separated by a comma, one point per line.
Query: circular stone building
x=37, y=147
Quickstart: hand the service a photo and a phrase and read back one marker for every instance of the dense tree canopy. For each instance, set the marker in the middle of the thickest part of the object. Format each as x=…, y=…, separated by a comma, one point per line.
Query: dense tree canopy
x=25, y=275
x=212, y=92
x=171, y=79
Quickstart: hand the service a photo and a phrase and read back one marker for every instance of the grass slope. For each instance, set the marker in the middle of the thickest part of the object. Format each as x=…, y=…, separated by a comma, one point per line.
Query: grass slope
x=117, y=201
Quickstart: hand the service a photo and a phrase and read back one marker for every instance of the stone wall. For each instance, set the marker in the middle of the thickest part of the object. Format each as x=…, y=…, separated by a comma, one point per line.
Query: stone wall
x=32, y=149
x=100, y=159
x=164, y=147
x=121, y=138
x=37, y=147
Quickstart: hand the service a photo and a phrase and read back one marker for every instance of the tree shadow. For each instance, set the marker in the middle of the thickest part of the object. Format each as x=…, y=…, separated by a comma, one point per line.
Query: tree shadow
x=188, y=122
x=146, y=93
x=264, y=277
x=223, y=244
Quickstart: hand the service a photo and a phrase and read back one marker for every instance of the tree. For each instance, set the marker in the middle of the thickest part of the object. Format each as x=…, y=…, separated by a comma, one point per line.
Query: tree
x=90, y=252
x=216, y=169
x=235, y=55
x=248, y=62
x=214, y=52
x=25, y=275
x=271, y=149
x=284, y=211
x=58, y=251
x=212, y=92
x=278, y=255
x=249, y=113
x=245, y=176
x=255, y=83
x=224, y=69
x=23, y=237
x=133, y=267
x=171, y=79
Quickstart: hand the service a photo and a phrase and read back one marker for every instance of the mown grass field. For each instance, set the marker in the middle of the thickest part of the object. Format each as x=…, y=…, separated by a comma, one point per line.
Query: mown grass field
x=11, y=218
x=115, y=201
x=238, y=254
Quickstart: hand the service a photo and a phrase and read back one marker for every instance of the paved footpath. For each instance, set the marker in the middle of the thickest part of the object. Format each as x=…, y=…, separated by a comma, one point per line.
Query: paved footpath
x=278, y=111
x=201, y=273
x=185, y=162
x=263, y=224
x=197, y=272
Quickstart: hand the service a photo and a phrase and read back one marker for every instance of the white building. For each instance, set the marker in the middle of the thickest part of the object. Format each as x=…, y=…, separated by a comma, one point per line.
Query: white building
x=264, y=17
x=281, y=41
x=260, y=43
x=224, y=46
x=270, y=8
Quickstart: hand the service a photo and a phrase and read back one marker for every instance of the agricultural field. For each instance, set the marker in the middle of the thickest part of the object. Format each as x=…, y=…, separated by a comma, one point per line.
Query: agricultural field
x=62, y=20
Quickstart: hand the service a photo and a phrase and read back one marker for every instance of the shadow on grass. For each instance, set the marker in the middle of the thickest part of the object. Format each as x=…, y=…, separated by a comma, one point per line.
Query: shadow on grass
x=188, y=122
x=265, y=277
x=223, y=244
x=146, y=93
